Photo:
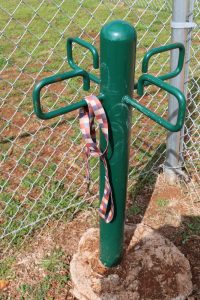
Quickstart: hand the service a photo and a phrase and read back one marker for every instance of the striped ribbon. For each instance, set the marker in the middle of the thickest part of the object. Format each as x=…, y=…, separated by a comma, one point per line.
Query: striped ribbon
x=86, y=117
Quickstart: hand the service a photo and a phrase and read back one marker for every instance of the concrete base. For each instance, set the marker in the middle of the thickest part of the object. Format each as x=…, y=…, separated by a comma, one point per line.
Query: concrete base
x=170, y=177
x=152, y=268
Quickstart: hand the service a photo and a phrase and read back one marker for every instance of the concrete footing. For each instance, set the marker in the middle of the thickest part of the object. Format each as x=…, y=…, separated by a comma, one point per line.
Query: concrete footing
x=152, y=268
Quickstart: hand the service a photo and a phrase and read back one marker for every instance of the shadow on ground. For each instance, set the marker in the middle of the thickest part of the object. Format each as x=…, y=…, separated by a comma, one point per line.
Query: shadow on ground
x=186, y=237
x=141, y=193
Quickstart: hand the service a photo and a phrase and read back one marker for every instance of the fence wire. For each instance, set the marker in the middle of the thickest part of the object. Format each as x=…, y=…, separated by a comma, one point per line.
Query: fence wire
x=191, y=148
x=42, y=162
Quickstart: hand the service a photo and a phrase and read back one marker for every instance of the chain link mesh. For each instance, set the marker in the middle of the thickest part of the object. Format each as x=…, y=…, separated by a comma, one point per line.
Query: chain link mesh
x=42, y=162
x=191, y=148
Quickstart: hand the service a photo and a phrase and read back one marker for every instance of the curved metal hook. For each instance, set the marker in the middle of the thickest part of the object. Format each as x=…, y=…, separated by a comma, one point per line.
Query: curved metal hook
x=154, y=51
x=88, y=46
x=53, y=79
x=170, y=89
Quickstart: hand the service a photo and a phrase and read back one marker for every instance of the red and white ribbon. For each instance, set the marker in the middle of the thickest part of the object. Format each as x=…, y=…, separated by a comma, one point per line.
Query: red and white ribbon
x=87, y=114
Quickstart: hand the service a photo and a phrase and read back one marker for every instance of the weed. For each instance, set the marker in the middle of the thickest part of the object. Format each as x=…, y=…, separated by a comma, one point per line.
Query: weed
x=56, y=265
x=191, y=227
x=29, y=216
x=194, y=225
x=55, y=261
x=161, y=202
x=3, y=183
x=94, y=168
x=36, y=291
x=134, y=210
x=6, y=271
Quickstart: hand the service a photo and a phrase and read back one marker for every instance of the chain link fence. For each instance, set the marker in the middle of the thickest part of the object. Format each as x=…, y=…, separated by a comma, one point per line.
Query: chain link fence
x=191, y=147
x=42, y=162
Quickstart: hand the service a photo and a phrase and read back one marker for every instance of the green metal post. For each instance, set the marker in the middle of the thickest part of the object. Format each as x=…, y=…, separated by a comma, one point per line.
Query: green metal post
x=117, y=67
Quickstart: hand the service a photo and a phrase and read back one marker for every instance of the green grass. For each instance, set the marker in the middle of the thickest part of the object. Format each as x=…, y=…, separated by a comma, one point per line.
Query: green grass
x=26, y=217
x=54, y=262
x=161, y=202
x=134, y=210
x=94, y=168
x=39, y=290
x=191, y=228
x=42, y=289
x=57, y=268
x=6, y=270
x=30, y=53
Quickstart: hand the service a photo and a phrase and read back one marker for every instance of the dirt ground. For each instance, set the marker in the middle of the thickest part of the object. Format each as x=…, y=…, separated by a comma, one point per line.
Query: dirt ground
x=28, y=269
x=169, y=209
x=174, y=212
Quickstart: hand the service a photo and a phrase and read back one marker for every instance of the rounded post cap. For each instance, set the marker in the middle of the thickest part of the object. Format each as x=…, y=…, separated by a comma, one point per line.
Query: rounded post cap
x=118, y=30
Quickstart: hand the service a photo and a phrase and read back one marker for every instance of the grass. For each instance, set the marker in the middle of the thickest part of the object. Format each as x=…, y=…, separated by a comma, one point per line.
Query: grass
x=32, y=46
x=57, y=275
x=54, y=262
x=42, y=289
x=134, y=209
x=162, y=202
x=191, y=227
x=6, y=271
x=29, y=216
x=39, y=290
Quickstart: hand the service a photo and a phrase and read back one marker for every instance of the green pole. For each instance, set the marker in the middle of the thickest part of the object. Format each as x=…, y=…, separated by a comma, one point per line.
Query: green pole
x=117, y=67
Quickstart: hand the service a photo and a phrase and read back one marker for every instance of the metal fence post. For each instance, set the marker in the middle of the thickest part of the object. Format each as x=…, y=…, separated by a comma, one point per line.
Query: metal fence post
x=117, y=67
x=179, y=34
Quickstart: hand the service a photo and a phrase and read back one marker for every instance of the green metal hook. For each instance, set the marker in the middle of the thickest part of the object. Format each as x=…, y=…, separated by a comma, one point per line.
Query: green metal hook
x=53, y=79
x=154, y=51
x=150, y=53
x=170, y=89
x=88, y=46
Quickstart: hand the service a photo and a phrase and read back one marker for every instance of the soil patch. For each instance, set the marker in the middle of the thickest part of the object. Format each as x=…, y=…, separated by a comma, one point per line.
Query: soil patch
x=152, y=268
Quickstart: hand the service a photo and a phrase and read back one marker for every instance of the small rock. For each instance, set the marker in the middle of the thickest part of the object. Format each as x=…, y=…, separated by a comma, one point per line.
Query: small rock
x=114, y=278
x=3, y=284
